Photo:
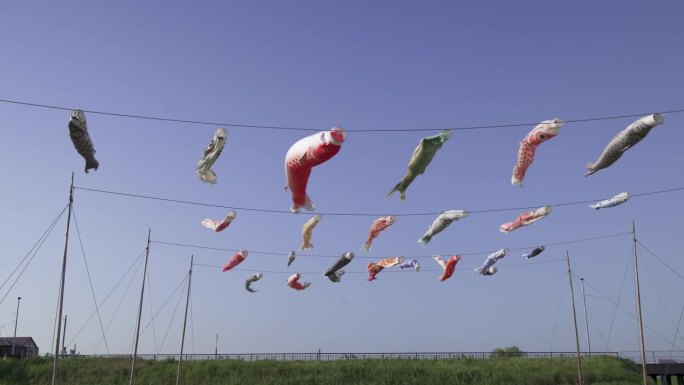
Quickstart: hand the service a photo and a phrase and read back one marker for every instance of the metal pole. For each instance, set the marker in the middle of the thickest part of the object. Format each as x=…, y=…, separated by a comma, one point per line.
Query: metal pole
x=16, y=322
x=216, y=348
x=142, y=292
x=185, y=321
x=586, y=318
x=574, y=318
x=61, y=289
x=638, y=297
x=64, y=334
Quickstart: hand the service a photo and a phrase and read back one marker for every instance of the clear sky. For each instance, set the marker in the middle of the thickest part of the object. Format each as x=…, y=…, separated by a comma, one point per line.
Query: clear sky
x=363, y=65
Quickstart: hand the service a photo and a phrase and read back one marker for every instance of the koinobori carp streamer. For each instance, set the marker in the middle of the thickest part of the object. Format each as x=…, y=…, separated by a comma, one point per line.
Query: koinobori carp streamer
x=307, y=232
x=448, y=266
x=489, y=262
x=235, y=260
x=421, y=158
x=78, y=132
x=376, y=267
x=525, y=219
x=334, y=273
x=211, y=154
x=442, y=222
x=294, y=283
x=221, y=225
x=611, y=202
x=303, y=156
x=623, y=141
x=528, y=146
x=537, y=250
x=378, y=226
x=251, y=279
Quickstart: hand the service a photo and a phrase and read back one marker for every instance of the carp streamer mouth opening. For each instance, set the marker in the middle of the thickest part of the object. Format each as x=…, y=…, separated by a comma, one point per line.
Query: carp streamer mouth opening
x=658, y=118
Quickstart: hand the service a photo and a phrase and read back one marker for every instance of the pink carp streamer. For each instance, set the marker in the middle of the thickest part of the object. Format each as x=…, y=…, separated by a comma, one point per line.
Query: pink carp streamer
x=219, y=226
x=376, y=228
x=293, y=282
x=448, y=266
x=525, y=219
x=528, y=146
x=235, y=260
x=376, y=267
x=303, y=156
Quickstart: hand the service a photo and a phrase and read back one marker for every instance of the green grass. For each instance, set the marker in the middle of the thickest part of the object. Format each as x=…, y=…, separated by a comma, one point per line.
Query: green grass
x=510, y=371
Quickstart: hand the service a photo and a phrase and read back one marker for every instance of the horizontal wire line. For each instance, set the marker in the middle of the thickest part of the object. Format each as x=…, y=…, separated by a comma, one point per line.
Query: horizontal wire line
x=206, y=123
x=357, y=214
x=364, y=257
x=365, y=272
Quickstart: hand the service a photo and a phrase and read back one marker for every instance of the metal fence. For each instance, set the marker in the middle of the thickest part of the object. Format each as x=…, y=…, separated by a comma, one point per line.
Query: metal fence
x=359, y=356
x=655, y=356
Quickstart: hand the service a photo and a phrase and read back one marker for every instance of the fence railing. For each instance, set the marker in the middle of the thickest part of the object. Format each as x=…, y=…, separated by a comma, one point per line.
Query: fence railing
x=358, y=356
x=655, y=356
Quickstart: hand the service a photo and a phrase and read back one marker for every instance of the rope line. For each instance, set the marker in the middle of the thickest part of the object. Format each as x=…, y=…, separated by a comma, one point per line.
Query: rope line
x=660, y=298
x=287, y=128
x=136, y=261
x=660, y=260
x=90, y=281
x=629, y=314
x=149, y=300
x=555, y=323
x=622, y=285
x=38, y=244
x=365, y=272
x=356, y=214
x=367, y=257
x=182, y=283
x=175, y=311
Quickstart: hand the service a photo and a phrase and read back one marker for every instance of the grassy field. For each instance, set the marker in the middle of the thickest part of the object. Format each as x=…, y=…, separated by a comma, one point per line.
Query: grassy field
x=510, y=371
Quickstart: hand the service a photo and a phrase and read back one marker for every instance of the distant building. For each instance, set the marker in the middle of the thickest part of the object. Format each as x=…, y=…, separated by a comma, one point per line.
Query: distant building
x=23, y=347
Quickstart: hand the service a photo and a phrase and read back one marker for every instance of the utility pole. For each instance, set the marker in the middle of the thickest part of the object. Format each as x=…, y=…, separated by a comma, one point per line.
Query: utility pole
x=64, y=335
x=638, y=298
x=16, y=322
x=142, y=293
x=574, y=318
x=586, y=318
x=61, y=284
x=216, y=348
x=185, y=321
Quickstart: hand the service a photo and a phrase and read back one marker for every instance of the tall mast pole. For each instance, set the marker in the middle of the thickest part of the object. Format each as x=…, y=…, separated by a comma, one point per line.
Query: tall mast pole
x=61, y=285
x=638, y=297
x=574, y=318
x=185, y=321
x=16, y=322
x=64, y=334
x=586, y=318
x=142, y=293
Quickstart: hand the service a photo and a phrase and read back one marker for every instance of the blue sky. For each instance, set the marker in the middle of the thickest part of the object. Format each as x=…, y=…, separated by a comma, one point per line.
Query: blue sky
x=364, y=66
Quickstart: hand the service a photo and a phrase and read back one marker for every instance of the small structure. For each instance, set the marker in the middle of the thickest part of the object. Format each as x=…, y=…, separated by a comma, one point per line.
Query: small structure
x=23, y=347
